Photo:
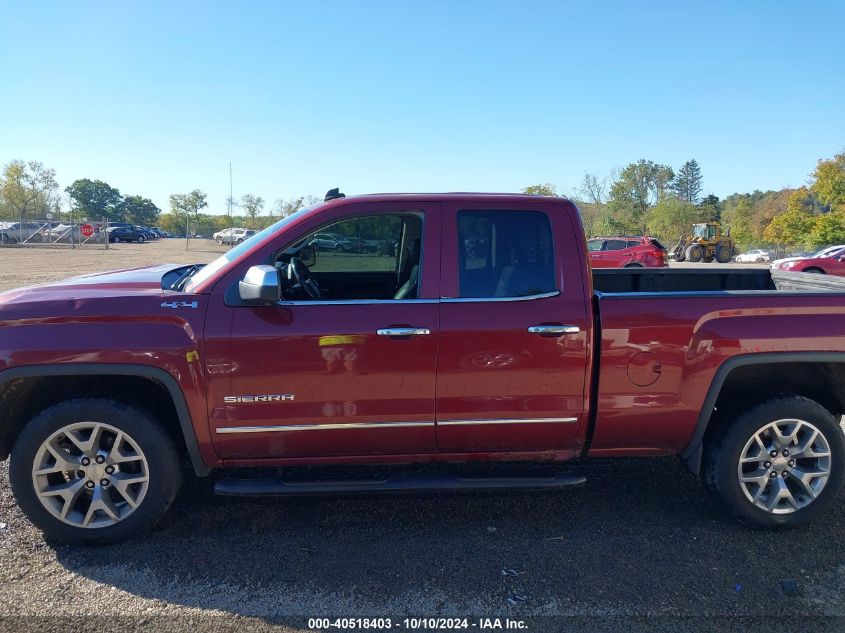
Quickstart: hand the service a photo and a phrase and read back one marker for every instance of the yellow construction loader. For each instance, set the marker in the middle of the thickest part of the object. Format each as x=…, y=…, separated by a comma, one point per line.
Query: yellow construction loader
x=706, y=244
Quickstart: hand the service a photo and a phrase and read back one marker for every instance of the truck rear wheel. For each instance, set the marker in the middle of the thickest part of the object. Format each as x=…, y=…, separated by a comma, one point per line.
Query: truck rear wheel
x=93, y=471
x=780, y=464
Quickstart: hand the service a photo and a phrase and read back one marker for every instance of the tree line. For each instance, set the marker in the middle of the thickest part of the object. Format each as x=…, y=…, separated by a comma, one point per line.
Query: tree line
x=646, y=197
x=29, y=191
x=643, y=197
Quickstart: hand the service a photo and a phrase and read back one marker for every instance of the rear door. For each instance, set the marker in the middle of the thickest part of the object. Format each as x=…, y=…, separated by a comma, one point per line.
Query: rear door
x=513, y=329
x=595, y=248
x=617, y=253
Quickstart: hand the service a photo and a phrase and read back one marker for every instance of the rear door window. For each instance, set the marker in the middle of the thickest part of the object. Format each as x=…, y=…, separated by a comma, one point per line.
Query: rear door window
x=615, y=245
x=505, y=254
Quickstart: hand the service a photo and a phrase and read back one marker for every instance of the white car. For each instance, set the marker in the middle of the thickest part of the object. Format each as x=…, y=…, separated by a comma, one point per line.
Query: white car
x=754, y=256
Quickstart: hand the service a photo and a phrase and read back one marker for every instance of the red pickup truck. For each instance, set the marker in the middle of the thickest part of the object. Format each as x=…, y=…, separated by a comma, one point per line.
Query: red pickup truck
x=473, y=330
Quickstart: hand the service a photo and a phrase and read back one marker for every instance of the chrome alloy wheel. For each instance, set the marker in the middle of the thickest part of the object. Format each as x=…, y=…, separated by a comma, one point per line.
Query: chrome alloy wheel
x=90, y=475
x=784, y=466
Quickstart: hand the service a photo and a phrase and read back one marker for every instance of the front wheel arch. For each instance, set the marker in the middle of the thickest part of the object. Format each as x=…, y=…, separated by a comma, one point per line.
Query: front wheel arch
x=168, y=384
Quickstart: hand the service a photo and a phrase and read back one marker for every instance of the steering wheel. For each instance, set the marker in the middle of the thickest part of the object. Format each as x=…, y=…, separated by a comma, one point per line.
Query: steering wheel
x=300, y=273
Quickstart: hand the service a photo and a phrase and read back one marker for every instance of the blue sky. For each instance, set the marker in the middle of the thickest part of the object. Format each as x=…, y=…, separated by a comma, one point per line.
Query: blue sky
x=158, y=97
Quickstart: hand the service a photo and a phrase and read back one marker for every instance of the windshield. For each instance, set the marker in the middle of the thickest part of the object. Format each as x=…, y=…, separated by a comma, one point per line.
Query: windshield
x=700, y=230
x=209, y=269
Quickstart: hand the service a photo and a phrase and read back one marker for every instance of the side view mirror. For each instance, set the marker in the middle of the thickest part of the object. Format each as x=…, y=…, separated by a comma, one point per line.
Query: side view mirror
x=260, y=285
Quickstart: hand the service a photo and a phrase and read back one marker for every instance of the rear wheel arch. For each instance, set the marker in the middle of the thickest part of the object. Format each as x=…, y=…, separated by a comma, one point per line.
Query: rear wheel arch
x=813, y=375
x=17, y=384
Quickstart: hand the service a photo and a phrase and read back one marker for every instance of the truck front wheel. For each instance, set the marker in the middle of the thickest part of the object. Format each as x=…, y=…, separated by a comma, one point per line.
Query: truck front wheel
x=780, y=464
x=93, y=471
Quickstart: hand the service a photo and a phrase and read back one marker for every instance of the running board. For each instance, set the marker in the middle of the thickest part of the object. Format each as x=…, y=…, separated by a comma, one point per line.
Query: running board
x=276, y=487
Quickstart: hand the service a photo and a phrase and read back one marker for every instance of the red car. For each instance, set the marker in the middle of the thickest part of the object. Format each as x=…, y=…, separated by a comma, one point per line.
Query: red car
x=626, y=252
x=484, y=337
x=828, y=261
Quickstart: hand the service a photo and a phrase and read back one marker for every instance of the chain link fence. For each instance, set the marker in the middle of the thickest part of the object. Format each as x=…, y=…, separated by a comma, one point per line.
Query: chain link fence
x=48, y=233
x=760, y=252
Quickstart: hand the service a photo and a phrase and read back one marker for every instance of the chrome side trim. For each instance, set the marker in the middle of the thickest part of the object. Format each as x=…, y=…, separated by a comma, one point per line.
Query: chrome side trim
x=356, y=302
x=367, y=302
x=282, y=428
x=544, y=295
x=507, y=421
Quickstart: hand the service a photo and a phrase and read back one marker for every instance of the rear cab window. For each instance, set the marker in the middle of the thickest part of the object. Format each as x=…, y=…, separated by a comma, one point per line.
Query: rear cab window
x=505, y=254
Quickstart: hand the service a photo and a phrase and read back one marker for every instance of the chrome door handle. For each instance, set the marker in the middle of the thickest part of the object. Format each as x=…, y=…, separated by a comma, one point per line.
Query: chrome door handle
x=554, y=329
x=403, y=331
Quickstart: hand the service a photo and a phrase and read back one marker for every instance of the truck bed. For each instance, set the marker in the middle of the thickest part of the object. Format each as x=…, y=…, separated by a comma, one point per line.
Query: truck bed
x=715, y=279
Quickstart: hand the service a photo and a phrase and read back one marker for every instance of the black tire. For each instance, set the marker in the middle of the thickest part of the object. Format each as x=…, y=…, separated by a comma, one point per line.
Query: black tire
x=240, y=240
x=116, y=239
x=164, y=468
x=141, y=239
x=723, y=255
x=815, y=271
x=694, y=253
x=723, y=454
x=633, y=266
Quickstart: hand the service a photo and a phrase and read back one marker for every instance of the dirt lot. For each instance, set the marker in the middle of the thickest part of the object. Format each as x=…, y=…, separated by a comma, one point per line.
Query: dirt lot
x=640, y=547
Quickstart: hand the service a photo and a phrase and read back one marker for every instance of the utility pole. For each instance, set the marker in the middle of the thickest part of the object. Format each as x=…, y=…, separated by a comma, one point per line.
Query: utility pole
x=231, y=200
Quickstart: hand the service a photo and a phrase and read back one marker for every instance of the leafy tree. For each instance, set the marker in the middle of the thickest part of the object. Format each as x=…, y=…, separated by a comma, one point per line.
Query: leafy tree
x=184, y=205
x=541, y=190
x=687, y=184
x=671, y=218
x=593, y=190
x=801, y=199
x=27, y=188
x=792, y=227
x=96, y=199
x=638, y=186
x=741, y=218
x=284, y=208
x=253, y=206
x=138, y=210
x=829, y=184
x=710, y=209
x=828, y=229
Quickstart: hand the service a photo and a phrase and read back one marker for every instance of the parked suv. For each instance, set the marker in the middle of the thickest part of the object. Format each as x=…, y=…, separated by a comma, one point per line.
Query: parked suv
x=126, y=234
x=233, y=236
x=626, y=252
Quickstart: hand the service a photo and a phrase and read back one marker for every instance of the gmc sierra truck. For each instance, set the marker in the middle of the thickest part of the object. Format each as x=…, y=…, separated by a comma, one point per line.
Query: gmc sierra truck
x=473, y=330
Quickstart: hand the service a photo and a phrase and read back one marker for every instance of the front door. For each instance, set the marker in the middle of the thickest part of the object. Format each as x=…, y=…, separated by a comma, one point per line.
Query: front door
x=352, y=373
x=514, y=332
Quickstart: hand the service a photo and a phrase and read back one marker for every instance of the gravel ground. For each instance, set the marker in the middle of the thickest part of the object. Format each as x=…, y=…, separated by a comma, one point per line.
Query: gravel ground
x=641, y=547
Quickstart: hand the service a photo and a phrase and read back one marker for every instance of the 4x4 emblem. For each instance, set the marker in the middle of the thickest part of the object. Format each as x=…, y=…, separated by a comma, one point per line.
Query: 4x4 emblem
x=180, y=304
